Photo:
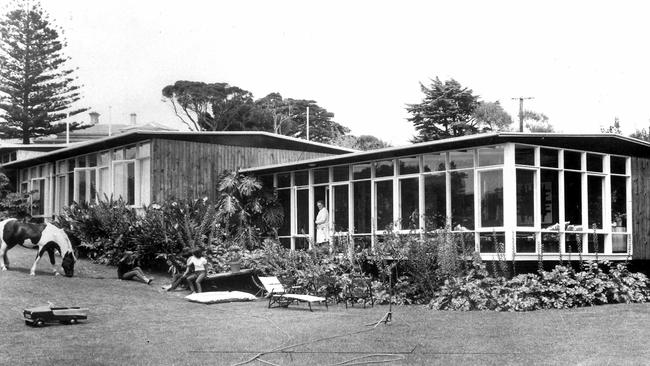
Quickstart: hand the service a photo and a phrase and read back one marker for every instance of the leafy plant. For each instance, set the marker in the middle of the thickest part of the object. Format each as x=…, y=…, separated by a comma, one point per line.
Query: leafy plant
x=245, y=211
x=13, y=205
x=104, y=229
x=560, y=288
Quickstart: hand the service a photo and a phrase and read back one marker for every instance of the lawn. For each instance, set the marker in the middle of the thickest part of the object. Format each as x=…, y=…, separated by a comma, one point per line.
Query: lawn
x=132, y=323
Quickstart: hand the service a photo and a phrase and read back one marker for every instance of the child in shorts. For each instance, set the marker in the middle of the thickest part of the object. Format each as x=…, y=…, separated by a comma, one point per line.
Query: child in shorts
x=198, y=261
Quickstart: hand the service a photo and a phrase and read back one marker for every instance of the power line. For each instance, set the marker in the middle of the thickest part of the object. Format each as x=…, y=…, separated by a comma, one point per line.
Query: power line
x=521, y=111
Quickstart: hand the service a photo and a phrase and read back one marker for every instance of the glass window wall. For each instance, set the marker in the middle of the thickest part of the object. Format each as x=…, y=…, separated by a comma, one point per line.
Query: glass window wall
x=524, y=155
x=361, y=171
x=525, y=197
x=462, y=200
x=362, y=207
x=461, y=159
x=435, y=198
x=560, y=195
x=491, y=183
x=410, y=165
x=434, y=162
x=384, y=200
x=341, y=208
x=490, y=156
x=384, y=168
x=409, y=203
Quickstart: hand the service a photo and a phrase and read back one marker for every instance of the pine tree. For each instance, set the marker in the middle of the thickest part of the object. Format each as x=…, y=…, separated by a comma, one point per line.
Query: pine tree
x=37, y=89
x=447, y=110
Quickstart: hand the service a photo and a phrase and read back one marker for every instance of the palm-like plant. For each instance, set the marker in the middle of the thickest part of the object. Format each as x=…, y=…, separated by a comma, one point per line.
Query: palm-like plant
x=245, y=210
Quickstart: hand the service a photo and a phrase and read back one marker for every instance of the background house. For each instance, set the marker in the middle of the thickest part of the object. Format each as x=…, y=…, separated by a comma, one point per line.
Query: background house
x=99, y=129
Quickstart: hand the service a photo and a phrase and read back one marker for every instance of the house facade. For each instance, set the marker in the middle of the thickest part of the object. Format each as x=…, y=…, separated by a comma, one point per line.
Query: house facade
x=514, y=195
x=150, y=166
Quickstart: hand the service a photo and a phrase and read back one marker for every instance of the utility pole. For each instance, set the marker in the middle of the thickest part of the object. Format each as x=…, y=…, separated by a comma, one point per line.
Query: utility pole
x=110, y=120
x=307, y=123
x=67, y=130
x=521, y=111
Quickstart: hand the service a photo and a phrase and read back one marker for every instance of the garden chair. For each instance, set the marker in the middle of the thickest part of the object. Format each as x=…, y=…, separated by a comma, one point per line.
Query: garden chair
x=359, y=288
x=279, y=296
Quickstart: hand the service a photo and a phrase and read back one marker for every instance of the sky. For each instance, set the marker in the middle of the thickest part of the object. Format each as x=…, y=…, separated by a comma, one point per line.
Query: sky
x=583, y=62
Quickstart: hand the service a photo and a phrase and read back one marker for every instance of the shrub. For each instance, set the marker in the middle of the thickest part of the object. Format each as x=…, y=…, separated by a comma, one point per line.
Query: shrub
x=170, y=230
x=419, y=264
x=104, y=230
x=560, y=288
x=13, y=205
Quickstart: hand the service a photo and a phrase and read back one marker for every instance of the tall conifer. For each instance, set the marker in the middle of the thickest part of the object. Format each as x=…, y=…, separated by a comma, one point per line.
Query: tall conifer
x=37, y=88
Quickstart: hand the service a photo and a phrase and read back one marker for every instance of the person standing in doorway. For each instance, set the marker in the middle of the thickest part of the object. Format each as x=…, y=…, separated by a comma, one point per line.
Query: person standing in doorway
x=322, y=223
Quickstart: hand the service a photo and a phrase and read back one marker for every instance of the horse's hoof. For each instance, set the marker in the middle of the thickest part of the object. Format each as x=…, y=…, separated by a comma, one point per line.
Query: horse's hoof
x=57, y=274
x=32, y=273
x=4, y=268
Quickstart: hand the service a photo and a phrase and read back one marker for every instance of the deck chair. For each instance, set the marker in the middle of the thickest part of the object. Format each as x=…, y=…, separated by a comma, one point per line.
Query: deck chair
x=279, y=296
x=359, y=288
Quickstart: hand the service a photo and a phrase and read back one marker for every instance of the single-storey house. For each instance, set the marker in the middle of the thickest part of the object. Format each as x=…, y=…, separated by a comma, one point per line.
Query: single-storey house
x=514, y=195
x=150, y=166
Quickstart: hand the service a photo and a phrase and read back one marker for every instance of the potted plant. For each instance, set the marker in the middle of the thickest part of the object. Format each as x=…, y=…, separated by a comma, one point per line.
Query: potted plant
x=234, y=258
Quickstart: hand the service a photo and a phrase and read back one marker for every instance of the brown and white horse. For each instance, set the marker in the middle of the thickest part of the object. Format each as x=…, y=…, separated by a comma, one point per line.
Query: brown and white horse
x=48, y=237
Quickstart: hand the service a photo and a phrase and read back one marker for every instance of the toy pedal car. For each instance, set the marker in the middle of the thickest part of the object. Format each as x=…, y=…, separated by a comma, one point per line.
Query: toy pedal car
x=39, y=315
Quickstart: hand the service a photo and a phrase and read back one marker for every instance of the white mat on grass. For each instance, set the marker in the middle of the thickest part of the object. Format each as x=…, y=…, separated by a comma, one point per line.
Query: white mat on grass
x=214, y=297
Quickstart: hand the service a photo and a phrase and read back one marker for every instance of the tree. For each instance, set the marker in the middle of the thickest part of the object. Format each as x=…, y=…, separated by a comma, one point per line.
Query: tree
x=222, y=107
x=274, y=108
x=615, y=128
x=492, y=116
x=211, y=107
x=538, y=122
x=288, y=116
x=447, y=110
x=322, y=128
x=37, y=89
x=641, y=134
x=363, y=142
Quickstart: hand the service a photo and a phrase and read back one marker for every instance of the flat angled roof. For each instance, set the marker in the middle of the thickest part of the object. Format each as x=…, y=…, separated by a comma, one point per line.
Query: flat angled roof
x=232, y=138
x=603, y=143
x=31, y=147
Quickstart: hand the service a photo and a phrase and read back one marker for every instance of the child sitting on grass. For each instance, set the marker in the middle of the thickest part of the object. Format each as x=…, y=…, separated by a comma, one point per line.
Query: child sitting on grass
x=177, y=277
x=127, y=269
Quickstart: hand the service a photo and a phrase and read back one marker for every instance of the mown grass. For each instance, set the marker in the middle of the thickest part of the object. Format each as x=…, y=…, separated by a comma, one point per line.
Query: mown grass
x=132, y=323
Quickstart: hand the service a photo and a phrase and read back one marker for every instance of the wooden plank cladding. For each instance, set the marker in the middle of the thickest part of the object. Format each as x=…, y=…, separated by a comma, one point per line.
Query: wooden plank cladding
x=641, y=208
x=189, y=169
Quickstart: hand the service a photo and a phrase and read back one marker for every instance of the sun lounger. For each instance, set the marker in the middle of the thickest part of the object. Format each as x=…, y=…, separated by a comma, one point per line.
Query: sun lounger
x=279, y=296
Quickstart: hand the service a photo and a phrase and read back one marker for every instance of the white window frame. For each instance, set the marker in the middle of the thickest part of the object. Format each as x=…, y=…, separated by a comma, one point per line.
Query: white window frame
x=135, y=180
x=87, y=172
x=510, y=228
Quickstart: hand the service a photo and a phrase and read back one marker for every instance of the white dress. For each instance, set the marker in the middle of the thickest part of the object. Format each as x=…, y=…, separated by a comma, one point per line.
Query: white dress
x=322, y=229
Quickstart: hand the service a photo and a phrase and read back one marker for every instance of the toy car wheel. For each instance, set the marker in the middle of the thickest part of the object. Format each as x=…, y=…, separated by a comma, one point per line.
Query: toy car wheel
x=39, y=322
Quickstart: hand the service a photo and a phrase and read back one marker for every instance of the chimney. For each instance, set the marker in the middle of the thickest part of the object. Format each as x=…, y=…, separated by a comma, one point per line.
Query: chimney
x=133, y=121
x=94, y=118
